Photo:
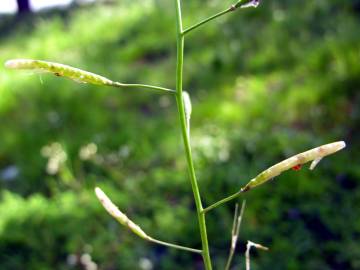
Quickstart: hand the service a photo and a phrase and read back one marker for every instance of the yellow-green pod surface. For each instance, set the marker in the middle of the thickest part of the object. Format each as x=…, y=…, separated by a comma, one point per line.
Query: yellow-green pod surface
x=314, y=155
x=57, y=69
x=118, y=215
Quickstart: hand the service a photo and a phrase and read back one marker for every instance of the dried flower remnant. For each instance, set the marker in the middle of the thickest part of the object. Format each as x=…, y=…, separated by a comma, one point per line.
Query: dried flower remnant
x=253, y=3
x=235, y=232
x=295, y=162
x=315, y=162
x=249, y=245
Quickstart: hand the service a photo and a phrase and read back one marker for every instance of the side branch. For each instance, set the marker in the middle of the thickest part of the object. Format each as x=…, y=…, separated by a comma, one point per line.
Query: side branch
x=138, y=85
x=233, y=7
x=186, y=31
x=175, y=246
x=225, y=200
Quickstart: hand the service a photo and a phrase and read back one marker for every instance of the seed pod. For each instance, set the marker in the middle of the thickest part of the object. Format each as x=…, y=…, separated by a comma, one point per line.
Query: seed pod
x=314, y=155
x=118, y=215
x=57, y=69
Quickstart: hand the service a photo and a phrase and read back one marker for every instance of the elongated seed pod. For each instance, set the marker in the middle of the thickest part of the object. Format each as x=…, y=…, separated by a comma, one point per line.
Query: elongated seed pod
x=57, y=69
x=118, y=215
x=315, y=155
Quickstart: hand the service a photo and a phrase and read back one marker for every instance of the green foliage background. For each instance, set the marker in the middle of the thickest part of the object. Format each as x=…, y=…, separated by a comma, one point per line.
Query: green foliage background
x=265, y=83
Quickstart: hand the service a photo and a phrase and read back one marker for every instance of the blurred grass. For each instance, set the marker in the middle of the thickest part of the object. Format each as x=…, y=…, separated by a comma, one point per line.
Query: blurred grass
x=265, y=84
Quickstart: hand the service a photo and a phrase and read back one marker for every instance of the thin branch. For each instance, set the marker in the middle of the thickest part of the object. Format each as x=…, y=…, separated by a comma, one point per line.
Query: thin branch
x=186, y=31
x=235, y=233
x=233, y=7
x=222, y=201
x=175, y=246
x=249, y=245
x=138, y=85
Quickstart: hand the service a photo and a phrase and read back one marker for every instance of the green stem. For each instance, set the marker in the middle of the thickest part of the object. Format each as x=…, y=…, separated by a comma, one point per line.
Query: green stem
x=230, y=9
x=181, y=111
x=175, y=246
x=138, y=85
x=225, y=200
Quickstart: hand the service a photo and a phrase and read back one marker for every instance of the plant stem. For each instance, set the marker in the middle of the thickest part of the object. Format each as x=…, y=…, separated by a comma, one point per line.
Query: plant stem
x=138, y=85
x=186, y=140
x=225, y=200
x=175, y=246
x=230, y=9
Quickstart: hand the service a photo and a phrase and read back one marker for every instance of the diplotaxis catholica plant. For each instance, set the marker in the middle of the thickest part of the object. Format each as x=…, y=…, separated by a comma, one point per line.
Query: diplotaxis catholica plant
x=184, y=113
